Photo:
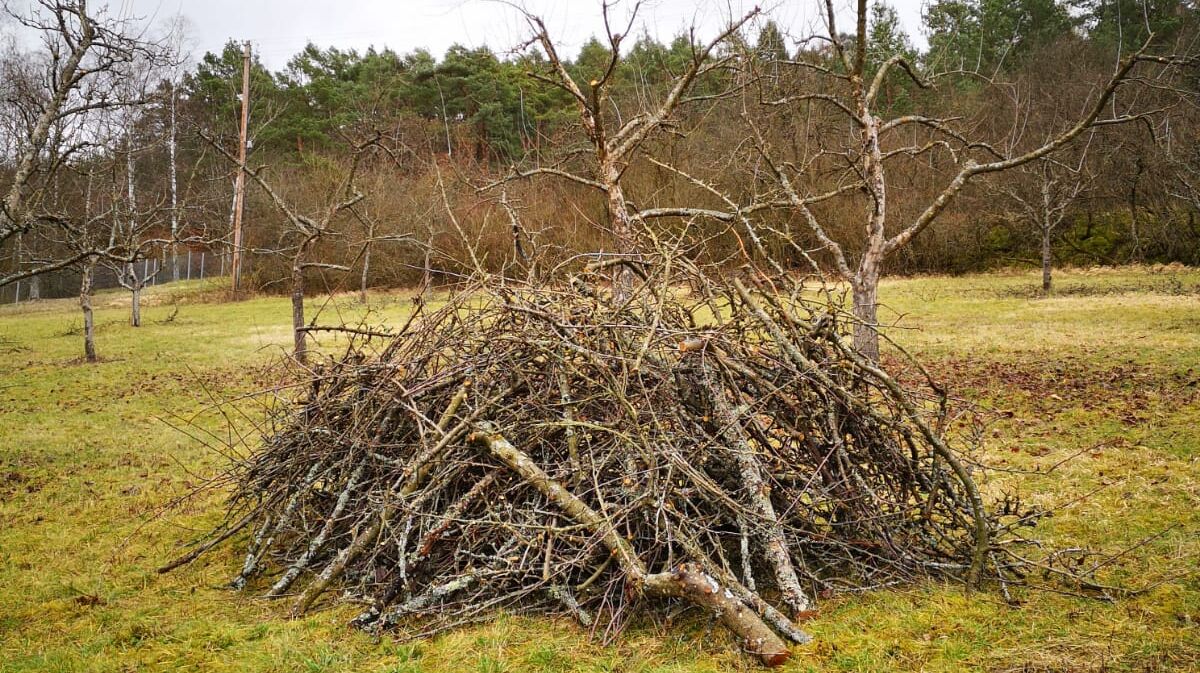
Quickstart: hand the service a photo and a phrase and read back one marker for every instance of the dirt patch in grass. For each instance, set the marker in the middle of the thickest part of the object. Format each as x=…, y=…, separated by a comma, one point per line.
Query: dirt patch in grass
x=1170, y=285
x=1059, y=383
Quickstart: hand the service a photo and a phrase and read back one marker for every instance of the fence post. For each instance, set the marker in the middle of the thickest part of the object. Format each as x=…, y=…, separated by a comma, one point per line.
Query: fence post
x=201, y=265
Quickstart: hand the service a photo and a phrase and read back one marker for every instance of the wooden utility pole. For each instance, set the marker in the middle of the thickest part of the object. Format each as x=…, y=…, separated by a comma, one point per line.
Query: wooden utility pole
x=240, y=184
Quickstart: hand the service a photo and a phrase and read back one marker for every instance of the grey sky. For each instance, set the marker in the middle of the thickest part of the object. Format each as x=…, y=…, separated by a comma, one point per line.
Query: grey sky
x=280, y=28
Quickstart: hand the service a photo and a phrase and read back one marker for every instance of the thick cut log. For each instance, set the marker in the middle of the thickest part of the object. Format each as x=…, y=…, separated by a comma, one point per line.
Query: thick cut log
x=778, y=621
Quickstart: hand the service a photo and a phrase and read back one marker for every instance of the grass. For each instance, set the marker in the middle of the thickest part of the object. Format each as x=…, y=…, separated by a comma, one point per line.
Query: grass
x=1108, y=369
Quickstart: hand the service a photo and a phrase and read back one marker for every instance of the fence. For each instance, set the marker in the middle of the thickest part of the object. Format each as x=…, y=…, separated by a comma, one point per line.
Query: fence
x=193, y=265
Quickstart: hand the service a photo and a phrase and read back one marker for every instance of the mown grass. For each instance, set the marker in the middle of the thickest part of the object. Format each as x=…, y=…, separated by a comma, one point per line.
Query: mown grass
x=1108, y=369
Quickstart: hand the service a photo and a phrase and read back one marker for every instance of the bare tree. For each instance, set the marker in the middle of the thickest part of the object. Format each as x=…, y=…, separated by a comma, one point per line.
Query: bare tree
x=172, y=150
x=844, y=86
x=1042, y=193
x=309, y=231
x=387, y=225
x=615, y=140
x=129, y=233
x=371, y=236
x=87, y=231
x=83, y=54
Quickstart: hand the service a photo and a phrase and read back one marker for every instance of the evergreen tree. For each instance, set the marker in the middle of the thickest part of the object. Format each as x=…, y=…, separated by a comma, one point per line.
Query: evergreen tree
x=770, y=45
x=213, y=95
x=1130, y=22
x=988, y=34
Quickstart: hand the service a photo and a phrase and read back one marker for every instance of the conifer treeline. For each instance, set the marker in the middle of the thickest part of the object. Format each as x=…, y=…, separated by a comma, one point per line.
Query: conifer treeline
x=453, y=123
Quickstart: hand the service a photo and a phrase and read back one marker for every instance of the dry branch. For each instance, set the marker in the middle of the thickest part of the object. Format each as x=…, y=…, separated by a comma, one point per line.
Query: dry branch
x=543, y=448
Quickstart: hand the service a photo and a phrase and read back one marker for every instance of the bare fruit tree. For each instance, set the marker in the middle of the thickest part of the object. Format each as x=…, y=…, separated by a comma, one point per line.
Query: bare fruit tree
x=93, y=224
x=131, y=230
x=615, y=140
x=1042, y=194
x=86, y=232
x=83, y=55
x=879, y=151
x=308, y=231
x=383, y=227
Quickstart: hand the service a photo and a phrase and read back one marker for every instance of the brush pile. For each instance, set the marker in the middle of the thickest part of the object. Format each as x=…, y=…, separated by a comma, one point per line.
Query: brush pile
x=545, y=448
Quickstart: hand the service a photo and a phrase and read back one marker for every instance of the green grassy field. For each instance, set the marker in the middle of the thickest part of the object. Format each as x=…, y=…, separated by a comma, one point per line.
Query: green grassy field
x=1108, y=369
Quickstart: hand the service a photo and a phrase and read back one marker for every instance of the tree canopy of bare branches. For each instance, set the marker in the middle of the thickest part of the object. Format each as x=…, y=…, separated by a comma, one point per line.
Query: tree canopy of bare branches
x=61, y=95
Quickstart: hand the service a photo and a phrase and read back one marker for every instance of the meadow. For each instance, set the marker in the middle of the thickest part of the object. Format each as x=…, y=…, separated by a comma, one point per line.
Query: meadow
x=1091, y=404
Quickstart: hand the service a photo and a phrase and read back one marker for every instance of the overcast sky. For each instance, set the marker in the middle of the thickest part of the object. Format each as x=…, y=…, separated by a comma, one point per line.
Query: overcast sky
x=280, y=28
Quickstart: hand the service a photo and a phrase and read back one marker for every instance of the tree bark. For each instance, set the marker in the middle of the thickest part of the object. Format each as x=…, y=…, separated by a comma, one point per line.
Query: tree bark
x=299, y=336
x=865, y=286
x=757, y=492
x=689, y=582
x=362, y=288
x=135, y=311
x=85, y=303
x=171, y=146
x=134, y=284
x=622, y=228
x=1047, y=260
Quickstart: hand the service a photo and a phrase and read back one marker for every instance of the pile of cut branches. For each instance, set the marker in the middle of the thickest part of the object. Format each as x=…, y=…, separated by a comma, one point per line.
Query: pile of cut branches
x=542, y=448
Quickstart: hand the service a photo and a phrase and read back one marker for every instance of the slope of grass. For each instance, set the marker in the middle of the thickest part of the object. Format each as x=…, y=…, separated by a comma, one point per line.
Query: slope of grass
x=1108, y=370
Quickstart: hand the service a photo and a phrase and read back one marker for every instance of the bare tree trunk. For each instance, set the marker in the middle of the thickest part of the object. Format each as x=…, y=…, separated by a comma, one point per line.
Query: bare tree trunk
x=171, y=145
x=866, y=282
x=1135, y=255
x=135, y=312
x=1047, y=260
x=865, y=287
x=427, y=270
x=362, y=288
x=85, y=303
x=135, y=283
x=622, y=229
x=35, y=281
x=299, y=337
